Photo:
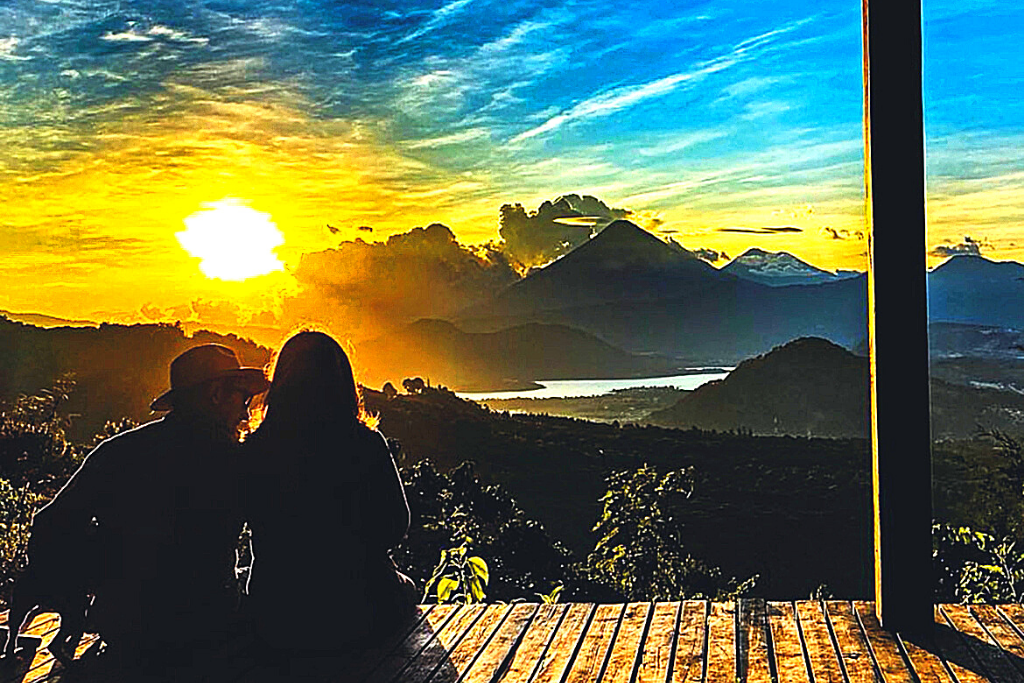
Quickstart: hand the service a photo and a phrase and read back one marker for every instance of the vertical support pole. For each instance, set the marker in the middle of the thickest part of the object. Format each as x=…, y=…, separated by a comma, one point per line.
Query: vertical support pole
x=898, y=313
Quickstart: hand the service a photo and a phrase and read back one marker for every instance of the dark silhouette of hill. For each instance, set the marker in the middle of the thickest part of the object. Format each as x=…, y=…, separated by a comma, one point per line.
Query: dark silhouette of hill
x=43, y=320
x=813, y=387
x=118, y=369
x=960, y=412
x=646, y=296
x=808, y=386
x=509, y=358
x=760, y=502
x=779, y=269
x=975, y=290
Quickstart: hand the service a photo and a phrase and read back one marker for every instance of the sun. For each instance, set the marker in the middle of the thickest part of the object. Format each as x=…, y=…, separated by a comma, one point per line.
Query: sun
x=232, y=240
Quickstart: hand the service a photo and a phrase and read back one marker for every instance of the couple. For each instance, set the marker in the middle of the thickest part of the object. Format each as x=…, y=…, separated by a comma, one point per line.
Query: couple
x=164, y=504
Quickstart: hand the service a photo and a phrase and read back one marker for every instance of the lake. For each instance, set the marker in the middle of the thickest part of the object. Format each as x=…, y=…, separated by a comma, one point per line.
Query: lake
x=574, y=388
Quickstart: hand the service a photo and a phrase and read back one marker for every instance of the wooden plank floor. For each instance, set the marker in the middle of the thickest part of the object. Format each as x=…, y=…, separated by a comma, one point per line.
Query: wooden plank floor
x=690, y=642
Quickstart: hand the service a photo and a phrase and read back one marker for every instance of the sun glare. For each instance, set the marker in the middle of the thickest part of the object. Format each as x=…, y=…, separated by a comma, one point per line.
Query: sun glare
x=233, y=241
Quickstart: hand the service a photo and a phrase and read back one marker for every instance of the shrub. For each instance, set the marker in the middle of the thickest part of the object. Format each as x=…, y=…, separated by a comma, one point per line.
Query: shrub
x=34, y=447
x=16, y=508
x=973, y=566
x=640, y=553
x=456, y=510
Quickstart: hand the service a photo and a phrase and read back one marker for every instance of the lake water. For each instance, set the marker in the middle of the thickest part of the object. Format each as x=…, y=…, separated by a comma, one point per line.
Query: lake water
x=574, y=388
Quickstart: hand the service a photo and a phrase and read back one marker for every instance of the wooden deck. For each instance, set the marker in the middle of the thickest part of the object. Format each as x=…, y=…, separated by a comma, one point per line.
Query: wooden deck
x=689, y=642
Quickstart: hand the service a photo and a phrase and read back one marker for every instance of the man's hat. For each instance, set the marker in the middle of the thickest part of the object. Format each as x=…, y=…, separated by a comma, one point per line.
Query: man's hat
x=204, y=363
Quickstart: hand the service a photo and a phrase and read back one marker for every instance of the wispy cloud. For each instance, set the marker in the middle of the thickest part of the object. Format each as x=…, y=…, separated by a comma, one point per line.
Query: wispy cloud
x=763, y=230
x=618, y=99
x=446, y=140
x=438, y=18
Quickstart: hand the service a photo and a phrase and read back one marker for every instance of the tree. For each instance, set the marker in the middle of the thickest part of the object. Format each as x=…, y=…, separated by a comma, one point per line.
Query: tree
x=414, y=385
x=389, y=391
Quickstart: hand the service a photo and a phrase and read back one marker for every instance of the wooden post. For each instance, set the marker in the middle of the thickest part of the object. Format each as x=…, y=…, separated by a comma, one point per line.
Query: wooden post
x=898, y=313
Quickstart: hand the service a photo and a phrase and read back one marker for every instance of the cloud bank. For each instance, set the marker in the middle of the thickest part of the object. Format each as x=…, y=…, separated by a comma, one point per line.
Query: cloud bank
x=363, y=289
x=969, y=246
x=555, y=228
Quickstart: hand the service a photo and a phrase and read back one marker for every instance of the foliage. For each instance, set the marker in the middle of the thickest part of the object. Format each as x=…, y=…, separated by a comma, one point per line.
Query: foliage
x=34, y=446
x=973, y=566
x=1004, y=485
x=449, y=508
x=552, y=597
x=640, y=550
x=459, y=577
x=414, y=385
x=16, y=508
x=982, y=560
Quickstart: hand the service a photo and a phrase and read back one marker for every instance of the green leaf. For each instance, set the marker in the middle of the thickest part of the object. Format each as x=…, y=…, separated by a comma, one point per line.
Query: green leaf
x=479, y=568
x=445, y=587
x=476, y=589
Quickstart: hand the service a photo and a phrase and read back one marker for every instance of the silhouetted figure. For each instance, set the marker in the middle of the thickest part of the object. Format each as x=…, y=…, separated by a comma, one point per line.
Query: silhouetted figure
x=161, y=502
x=325, y=505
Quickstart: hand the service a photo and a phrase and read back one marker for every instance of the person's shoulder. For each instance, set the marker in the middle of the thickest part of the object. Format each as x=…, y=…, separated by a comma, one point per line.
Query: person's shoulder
x=370, y=436
x=131, y=438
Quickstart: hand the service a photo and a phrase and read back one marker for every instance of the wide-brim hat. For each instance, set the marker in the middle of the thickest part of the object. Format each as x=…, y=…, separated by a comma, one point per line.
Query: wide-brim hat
x=206, y=363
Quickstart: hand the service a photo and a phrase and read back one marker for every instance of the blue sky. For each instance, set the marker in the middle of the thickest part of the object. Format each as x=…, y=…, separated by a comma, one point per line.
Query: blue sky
x=120, y=119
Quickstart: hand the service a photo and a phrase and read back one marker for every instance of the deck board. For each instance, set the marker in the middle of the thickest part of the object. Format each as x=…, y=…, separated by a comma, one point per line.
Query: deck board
x=1002, y=632
x=461, y=657
x=656, y=654
x=821, y=654
x=694, y=641
x=688, y=666
x=586, y=667
x=981, y=644
x=752, y=649
x=790, y=661
x=539, y=634
x=628, y=644
x=562, y=650
x=721, y=650
x=883, y=647
x=497, y=657
x=853, y=648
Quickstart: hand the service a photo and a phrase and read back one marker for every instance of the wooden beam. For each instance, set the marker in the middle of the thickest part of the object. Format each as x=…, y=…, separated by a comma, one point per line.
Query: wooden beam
x=898, y=313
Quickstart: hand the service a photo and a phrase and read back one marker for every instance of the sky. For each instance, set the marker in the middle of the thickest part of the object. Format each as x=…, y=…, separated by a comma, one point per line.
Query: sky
x=128, y=126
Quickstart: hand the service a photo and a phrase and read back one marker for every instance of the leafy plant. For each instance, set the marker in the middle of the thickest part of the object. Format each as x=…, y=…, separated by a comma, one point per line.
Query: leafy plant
x=552, y=597
x=448, y=507
x=16, y=508
x=974, y=566
x=34, y=446
x=640, y=550
x=458, y=577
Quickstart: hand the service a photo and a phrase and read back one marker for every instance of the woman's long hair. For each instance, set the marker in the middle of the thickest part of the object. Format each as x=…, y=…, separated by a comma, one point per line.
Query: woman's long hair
x=313, y=387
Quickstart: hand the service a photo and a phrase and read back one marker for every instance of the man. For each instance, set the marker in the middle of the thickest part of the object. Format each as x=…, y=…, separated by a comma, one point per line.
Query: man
x=161, y=503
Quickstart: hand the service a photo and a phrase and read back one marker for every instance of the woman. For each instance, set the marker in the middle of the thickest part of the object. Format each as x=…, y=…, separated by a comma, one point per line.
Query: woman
x=325, y=506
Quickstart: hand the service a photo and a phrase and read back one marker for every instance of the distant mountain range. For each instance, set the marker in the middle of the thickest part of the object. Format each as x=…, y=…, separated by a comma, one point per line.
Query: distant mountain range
x=637, y=293
x=780, y=268
x=975, y=290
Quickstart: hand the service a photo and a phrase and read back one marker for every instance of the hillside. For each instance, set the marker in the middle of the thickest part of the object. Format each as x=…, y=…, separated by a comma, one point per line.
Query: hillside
x=975, y=290
x=118, y=369
x=760, y=502
x=808, y=386
x=506, y=359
